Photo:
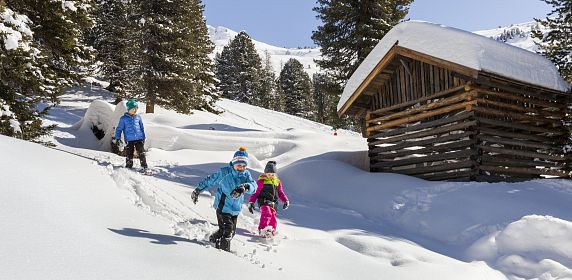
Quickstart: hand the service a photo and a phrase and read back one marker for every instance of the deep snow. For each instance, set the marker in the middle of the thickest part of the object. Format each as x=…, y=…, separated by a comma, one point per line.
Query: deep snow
x=74, y=212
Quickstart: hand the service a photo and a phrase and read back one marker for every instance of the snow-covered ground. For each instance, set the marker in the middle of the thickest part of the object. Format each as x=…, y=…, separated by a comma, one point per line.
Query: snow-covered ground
x=74, y=212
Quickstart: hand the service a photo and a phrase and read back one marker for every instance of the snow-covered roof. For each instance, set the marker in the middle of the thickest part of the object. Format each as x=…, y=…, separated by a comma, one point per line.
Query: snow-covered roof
x=461, y=47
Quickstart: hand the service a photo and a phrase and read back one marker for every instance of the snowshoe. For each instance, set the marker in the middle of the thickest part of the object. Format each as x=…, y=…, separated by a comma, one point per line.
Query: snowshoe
x=146, y=171
x=267, y=233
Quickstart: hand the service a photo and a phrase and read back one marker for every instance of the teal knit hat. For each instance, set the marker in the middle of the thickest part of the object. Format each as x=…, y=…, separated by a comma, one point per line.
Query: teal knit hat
x=131, y=103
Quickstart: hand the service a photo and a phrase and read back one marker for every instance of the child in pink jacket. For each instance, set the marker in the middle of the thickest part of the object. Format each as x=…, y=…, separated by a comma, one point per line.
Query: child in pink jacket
x=267, y=194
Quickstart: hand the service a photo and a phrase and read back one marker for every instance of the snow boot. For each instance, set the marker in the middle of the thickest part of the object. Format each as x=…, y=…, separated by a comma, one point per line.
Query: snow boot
x=225, y=244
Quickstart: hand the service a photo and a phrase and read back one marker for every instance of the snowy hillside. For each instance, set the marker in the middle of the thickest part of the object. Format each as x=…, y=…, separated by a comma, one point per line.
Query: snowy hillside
x=279, y=56
x=74, y=211
x=518, y=35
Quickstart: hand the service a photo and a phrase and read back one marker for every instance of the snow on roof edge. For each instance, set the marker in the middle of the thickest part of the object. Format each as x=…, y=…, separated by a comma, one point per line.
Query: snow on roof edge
x=470, y=50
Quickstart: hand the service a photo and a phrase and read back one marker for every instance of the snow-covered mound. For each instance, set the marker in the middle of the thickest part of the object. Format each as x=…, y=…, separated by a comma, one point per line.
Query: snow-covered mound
x=221, y=36
x=79, y=214
x=269, y=135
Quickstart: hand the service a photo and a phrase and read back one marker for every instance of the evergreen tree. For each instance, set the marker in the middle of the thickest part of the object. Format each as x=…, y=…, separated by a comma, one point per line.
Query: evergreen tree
x=58, y=29
x=296, y=88
x=267, y=96
x=177, y=72
x=350, y=31
x=239, y=70
x=116, y=45
x=326, y=96
x=41, y=52
x=556, y=45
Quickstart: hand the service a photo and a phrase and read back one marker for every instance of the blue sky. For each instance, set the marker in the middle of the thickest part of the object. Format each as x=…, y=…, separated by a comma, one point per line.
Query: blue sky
x=289, y=23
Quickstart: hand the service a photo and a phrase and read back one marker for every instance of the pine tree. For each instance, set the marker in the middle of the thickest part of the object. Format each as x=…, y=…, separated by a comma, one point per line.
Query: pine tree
x=239, y=70
x=177, y=72
x=116, y=45
x=350, y=31
x=556, y=45
x=326, y=96
x=58, y=28
x=41, y=52
x=296, y=88
x=267, y=96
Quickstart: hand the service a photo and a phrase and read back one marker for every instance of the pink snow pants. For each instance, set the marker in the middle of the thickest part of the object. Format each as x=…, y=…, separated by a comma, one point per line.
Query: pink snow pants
x=267, y=217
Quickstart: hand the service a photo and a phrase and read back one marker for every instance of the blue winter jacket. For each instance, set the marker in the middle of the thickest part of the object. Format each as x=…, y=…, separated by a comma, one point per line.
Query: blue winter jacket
x=132, y=128
x=227, y=179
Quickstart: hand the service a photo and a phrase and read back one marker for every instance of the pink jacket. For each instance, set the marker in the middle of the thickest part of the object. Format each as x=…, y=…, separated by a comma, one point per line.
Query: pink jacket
x=262, y=180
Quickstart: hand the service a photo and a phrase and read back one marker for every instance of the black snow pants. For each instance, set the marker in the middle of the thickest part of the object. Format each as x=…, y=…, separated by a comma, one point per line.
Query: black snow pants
x=225, y=232
x=130, y=149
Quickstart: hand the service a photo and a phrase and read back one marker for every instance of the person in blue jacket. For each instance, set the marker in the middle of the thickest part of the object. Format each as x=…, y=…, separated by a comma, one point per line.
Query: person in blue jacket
x=233, y=181
x=131, y=125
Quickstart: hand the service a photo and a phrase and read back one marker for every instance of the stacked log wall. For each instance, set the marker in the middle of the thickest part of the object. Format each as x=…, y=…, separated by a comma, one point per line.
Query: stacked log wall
x=431, y=123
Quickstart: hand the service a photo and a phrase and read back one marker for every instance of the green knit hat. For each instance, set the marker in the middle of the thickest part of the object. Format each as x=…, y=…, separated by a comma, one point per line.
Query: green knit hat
x=131, y=103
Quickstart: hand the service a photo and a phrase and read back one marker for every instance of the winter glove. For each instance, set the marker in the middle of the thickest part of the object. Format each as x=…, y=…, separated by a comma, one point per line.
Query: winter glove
x=246, y=186
x=237, y=192
x=251, y=207
x=285, y=205
x=195, y=196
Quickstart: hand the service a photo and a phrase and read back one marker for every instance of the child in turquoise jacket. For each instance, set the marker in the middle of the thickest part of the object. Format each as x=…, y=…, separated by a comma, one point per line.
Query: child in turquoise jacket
x=233, y=182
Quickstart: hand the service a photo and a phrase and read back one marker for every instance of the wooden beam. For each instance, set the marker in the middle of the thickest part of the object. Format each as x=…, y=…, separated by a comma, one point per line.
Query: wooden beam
x=380, y=65
x=464, y=175
x=443, y=102
x=434, y=148
x=420, y=143
x=425, y=133
x=430, y=158
x=495, y=80
x=438, y=62
x=499, y=160
x=513, y=125
x=439, y=122
x=515, y=135
x=405, y=67
x=413, y=102
x=520, y=97
x=524, y=110
x=420, y=169
x=520, y=153
x=520, y=143
x=521, y=117
x=526, y=171
x=441, y=111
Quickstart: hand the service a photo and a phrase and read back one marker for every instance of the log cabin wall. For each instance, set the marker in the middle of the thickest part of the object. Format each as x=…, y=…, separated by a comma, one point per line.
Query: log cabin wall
x=520, y=132
x=436, y=124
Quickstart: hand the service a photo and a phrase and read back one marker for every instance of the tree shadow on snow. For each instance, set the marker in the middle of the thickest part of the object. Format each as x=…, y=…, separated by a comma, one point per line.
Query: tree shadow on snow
x=217, y=127
x=191, y=175
x=155, y=238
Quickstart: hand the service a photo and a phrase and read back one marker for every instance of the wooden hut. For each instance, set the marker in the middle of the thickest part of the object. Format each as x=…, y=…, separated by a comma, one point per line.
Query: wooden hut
x=440, y=103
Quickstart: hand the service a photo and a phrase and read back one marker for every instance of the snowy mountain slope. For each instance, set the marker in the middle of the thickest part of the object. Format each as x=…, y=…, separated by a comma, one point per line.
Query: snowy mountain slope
x=518, y=35
x=221, y=36
x=343, y=222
